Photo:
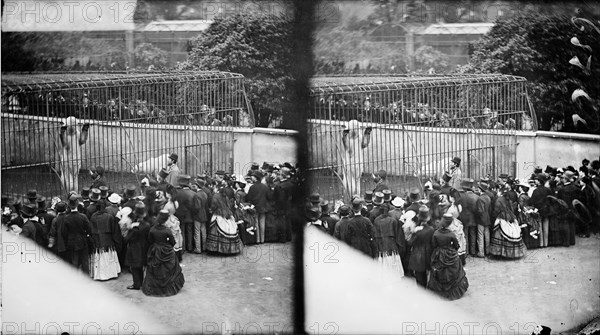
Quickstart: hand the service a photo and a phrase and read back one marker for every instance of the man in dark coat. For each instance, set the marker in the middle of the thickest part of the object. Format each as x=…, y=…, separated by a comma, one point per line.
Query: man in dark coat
x=190, y=205
x=129, y=197
x=330, y=222
x=283, y=195
x=413, y=201
x=377, y=202
x=94, y=199
x=137, y=245
x=359, y=233
x=98, y=177
x=257, y=196
x=201, y=221
x=539, y=200
x=483, y=222
x=420, y=245
x=341, y=228
x=468, y=216
x=569, y=192
x=445, y=183
x=42, y=212
x=76, y=231
x=380, y=181
x=56, y=241
x=32, y=228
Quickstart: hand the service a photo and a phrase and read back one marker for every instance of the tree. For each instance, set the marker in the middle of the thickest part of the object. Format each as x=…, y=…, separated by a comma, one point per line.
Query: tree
x=260, y=47
x=149, y=56
x=538, y=47
x=428, y=58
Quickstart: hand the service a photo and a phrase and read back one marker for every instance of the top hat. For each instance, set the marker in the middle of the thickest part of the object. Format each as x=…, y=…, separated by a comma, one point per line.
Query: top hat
x=398, y=202
x=254, y=166
x=114, y=199
x=41, y=202
x=95, y=196
x=344, y=210
x=369, y=197
x=31, y=195
x=103, y=192
x=415, y=195
x=424, y=214
x=174, y=157
x=324, y=206
x=61, y=207
x=73, y=201
x=130, y=191
x=312, y=213
x=466, y=183
x=571, y=168
x=184, y=180
x=446, y=177
x=220, y=173
x=85, y=193
x=541, y=177
x=378, y=200
x=581, y=212
x=163, y=173
x=456, y=160
x=140, y=209
x=357, y=204
x=548, y=169
x=381, y=174
x=503, y=176
x=163, y=216
x=387, y=195
x=99, y=170
x=28, y=210
x=537, y=169
x=315, y=198
x=266, y=166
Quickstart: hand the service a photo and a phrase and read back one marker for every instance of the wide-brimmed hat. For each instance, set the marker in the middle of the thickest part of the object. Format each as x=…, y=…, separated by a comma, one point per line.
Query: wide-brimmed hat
x=424, y=214
x=357, y=204
x=446, y=177
x=415, y=195
x=541, y=177
x=369, y=197
x=467, y=184
x=537, y=169
x=184, y=180
x=266, y=166
x=174, y=157
x=256, y=174
x=524, y=185
x=103, y=192
x=315, y=199
x=345, y=210
x=95, y=196
x=28, y=210
x=130, y=191
x=378, y=199
x=114, y=199
x=581, y=212
x=220, y=173
x=140, y=209
x=163, y=173
x=387, y=195
x=456, y=160
x=61, y=207
x=398, y=202
x=31, y=195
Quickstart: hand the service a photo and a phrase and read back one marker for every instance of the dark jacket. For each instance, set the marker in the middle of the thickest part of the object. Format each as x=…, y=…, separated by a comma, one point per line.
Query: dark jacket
x=538, y=200
x=483, y=210
x=421, y=249
x=359, y=235
x=34, y=230
x=444, y=238
x=282, y=194
x=203, y=211
x=77, y=228
x=99, y=182
x=189, y=206
x=468, y=216
x=381, y=186
x=56, y=232
x=137, y=245
x=389, y=236
x=257, y=195
x=570, y=192
x=106, y=232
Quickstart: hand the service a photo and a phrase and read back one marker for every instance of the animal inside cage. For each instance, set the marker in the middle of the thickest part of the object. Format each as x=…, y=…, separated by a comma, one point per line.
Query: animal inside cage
x=412, y=126
x=58, y=127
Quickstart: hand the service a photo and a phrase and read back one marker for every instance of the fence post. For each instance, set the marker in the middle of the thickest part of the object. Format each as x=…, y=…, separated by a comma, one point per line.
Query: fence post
x=494, y=162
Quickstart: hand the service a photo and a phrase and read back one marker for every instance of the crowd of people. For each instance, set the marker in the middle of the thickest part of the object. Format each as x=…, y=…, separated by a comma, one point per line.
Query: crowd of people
x=429, y=234
x=147, y=228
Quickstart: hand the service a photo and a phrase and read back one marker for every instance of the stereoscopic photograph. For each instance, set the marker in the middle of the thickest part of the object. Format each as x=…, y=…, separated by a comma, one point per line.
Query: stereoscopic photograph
x=282, y=167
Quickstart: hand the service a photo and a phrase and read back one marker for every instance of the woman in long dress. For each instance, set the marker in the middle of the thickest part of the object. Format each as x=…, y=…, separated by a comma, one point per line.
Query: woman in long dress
x=106, y=234
x=390, y=241
x=166, y=200
x=222, y=235
x=528, y=216
x=506, y=240
x=456, y=226
x=447, y=274
x=164, y=277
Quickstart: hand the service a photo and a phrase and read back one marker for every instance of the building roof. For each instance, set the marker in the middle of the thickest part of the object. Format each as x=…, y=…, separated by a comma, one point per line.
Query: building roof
x=458, y=29
x=82, y=15
x=179, y=25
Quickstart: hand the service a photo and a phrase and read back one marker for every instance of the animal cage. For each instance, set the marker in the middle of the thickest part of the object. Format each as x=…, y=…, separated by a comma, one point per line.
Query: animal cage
x=57, y=127
x=412, y=127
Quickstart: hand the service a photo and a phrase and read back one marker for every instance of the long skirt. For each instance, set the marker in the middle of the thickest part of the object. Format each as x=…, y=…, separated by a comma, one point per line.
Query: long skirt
x=276, y=229
x=447, y=276
x=222, y=242
x=505, y=244
x=163, y=272
x=392, y=262
x=531, y=234
x=559, y=231
x=104, y=264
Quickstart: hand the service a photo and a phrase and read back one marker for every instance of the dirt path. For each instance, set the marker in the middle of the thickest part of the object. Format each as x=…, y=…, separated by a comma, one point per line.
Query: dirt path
x=247, y=293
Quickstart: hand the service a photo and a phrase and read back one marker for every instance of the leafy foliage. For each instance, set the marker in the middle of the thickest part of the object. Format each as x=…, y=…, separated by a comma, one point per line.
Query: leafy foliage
x=260, y=47
x=427, y=58
x=538, y=48
x=147, y=55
